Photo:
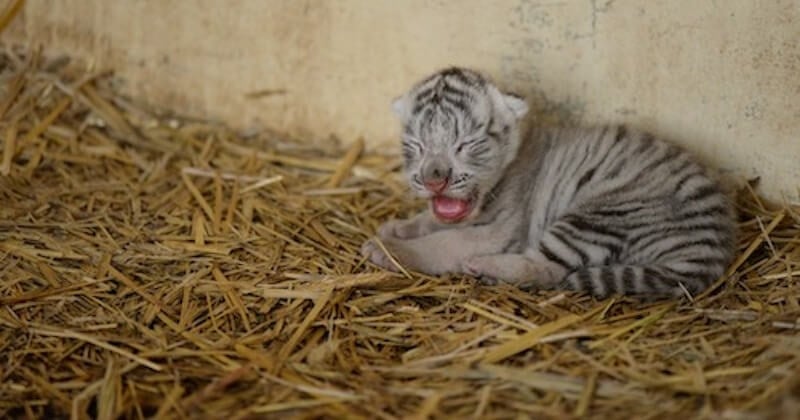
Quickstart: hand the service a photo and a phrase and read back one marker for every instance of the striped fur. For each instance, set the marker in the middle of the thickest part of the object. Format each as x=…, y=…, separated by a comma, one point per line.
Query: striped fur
x=605, y=210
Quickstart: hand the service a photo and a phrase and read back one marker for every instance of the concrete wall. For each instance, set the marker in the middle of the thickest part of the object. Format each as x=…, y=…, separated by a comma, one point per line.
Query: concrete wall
x=721, y=76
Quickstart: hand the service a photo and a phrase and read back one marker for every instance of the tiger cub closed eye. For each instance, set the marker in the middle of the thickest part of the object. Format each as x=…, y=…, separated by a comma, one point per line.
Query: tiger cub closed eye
x=604, y=210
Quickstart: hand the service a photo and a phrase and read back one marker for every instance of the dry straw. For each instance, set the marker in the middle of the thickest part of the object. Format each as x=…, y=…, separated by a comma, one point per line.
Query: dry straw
x=167, y=268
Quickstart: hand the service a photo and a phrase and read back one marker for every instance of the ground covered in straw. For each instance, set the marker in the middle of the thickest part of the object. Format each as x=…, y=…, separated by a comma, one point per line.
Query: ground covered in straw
x=153, y=266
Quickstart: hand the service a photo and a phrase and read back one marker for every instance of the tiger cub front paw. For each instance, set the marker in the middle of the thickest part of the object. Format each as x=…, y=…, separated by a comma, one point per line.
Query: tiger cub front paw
x=374, y=253
x=477, y=267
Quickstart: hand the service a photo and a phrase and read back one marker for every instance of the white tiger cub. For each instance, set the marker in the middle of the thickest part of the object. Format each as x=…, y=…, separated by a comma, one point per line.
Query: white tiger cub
x=603, y=210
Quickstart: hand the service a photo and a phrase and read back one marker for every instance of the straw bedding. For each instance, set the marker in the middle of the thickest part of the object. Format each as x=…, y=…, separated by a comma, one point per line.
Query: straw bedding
x=153, y=266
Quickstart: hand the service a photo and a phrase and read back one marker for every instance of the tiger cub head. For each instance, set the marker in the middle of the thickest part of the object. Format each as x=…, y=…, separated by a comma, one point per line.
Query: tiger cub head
x=459, y=133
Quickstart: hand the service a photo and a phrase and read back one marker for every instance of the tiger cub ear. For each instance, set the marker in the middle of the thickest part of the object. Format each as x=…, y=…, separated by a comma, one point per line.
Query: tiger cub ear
x=516, y=104
x=400, y=107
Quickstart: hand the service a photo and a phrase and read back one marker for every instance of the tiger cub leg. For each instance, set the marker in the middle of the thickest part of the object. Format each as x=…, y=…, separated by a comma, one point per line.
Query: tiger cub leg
x=420, y=225
x=531, y=270
x=569, y=244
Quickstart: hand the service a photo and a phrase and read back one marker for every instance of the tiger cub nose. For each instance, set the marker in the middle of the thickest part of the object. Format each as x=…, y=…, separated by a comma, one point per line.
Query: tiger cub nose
x=436, y=185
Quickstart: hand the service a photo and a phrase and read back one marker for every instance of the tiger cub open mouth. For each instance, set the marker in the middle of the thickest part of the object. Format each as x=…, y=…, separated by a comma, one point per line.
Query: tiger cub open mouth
x=451, y=209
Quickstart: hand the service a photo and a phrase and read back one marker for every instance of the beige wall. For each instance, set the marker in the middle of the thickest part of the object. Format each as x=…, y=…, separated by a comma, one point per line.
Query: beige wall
x=721, y=76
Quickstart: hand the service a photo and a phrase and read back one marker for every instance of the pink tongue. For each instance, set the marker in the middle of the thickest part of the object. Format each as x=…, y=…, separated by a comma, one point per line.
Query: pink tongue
x=450, y=208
